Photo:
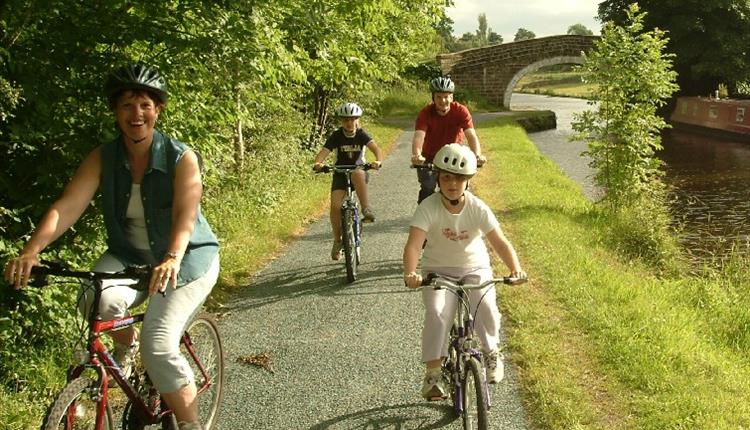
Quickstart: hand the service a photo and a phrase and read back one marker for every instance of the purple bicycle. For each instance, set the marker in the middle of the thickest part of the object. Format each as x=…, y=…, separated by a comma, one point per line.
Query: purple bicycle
x=463, y=368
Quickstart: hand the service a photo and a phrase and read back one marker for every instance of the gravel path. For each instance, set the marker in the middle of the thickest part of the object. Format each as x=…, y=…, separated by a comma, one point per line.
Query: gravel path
x=343, y=356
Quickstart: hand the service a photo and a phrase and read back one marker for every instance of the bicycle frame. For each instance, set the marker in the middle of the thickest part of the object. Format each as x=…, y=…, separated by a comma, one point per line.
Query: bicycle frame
x=101, y=361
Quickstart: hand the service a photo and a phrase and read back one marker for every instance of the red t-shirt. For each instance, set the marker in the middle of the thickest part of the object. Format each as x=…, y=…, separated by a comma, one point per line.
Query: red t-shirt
x=442, y=130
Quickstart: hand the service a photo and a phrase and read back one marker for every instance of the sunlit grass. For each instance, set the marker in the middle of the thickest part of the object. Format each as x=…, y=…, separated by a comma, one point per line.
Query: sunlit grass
x=560, y=84
x=600, y=340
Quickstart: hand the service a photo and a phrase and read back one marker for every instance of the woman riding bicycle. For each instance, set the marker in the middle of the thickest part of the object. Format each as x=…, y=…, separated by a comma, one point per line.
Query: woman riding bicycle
x=349, y=141
x=454, y=222
x=150, y=186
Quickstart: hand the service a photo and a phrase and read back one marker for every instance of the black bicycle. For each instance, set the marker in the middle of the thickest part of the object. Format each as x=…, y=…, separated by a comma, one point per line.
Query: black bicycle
x=463, y=368
x=351, y=223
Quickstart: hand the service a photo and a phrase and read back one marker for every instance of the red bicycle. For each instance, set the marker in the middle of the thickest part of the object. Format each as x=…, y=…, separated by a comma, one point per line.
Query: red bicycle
x=86, y=402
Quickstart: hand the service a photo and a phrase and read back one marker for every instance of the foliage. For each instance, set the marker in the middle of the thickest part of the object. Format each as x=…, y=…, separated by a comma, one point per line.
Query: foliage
x=248, y=82
x=483, y=36
x=623, y=131
x=580, y=30
x=709, y=38
x=523, y=34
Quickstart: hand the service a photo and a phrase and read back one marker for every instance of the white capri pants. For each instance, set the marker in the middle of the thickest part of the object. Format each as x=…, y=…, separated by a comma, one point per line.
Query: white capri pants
x=440, y=311
x=166, y=319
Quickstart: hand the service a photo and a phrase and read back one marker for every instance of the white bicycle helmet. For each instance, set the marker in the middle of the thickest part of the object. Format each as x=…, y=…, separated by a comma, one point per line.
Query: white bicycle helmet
x=442, y=84
x=457, y=159
x=348, y=110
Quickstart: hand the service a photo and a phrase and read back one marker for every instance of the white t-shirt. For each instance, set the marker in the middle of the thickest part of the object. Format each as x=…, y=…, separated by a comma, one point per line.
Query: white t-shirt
x=455, y=240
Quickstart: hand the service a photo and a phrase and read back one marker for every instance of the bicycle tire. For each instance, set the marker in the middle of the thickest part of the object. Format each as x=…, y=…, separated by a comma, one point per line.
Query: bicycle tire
x=474, y=403
x=451, y=372
x=204, y=334
x=350, y=245
x=73, y=408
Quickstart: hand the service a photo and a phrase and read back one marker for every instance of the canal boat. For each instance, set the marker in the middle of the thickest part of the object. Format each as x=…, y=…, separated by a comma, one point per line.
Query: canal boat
x=718, y=117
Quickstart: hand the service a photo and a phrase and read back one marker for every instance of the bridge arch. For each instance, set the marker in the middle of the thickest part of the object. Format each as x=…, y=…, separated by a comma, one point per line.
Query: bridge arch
x=534, y=67
x=493, y=71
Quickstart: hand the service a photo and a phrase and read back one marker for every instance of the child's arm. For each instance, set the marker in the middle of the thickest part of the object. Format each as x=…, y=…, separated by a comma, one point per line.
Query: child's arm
x=505, y=250
x=322, y=155
x=411, y=257
x=375, y=149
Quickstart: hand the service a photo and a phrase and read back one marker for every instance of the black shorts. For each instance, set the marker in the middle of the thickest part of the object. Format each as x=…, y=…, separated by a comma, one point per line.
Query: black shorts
x=339, y=181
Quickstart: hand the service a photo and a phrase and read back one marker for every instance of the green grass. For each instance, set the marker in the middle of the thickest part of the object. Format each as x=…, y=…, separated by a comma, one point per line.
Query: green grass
x=560, y=83
x=601, y=342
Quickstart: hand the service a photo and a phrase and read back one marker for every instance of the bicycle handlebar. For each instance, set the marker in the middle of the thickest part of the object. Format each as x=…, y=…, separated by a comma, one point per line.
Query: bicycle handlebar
x=40, y=273
x=438, y=282
x=344, y=168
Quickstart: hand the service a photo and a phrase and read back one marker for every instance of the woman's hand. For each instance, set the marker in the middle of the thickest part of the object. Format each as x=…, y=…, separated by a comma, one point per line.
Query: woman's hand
x=163, y=275
x=18, y=270
x=413, y=280
x=520, y=275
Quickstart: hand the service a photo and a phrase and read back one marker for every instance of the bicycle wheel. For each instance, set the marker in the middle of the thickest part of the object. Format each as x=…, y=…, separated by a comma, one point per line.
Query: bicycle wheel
x=350, y=245
x=472, y=387
x=451, y=372
x=75, y=409
x=208, y=369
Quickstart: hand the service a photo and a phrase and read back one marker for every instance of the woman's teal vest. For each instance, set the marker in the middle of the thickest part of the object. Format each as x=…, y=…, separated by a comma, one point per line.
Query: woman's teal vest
x=156, y=192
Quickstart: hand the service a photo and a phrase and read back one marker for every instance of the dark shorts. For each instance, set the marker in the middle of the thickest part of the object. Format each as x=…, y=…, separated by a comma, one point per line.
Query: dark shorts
x=339, y=181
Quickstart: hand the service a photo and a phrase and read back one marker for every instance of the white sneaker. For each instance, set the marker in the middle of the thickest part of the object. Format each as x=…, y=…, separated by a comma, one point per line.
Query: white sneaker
x=337, y=251
x=432, y=386
x=368, y=215
x=493, y=362
x=125, y=355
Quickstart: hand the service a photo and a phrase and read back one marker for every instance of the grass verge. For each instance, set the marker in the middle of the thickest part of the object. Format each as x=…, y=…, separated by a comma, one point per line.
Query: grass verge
x=600, y=342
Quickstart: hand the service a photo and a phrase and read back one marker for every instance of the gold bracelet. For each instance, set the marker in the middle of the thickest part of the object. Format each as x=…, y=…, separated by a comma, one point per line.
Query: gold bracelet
x=172, y=254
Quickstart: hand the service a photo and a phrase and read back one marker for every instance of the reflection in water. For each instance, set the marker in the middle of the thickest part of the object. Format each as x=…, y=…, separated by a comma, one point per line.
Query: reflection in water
x=710, y=182
x=710, y=179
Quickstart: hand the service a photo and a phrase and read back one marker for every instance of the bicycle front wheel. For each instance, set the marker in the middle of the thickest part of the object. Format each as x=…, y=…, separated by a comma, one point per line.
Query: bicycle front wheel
x=203, y=349
x=350, y=244
x=75, y=408
x=474, y=403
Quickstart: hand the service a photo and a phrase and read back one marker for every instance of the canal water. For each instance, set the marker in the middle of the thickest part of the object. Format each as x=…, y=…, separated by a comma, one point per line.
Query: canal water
x=709, y=178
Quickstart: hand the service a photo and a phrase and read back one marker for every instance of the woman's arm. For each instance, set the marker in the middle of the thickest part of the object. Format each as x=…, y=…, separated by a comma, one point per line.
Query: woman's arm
x=188, y=190
x=60, y=216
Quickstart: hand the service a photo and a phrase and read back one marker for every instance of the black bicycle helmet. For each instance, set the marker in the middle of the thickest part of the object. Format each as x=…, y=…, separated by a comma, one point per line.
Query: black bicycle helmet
x=136, y=77
x=442, y=84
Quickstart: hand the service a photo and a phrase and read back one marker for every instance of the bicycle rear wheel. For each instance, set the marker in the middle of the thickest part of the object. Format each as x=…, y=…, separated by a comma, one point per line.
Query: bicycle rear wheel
x=475, y=405
x=208, y=366
x=75, y=409
x=350, y=244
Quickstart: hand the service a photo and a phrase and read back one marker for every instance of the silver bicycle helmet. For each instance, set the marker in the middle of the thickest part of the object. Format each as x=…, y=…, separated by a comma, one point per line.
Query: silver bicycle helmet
x=442, y=84
x=457, y=159
x=136, y=77
x=348, y=110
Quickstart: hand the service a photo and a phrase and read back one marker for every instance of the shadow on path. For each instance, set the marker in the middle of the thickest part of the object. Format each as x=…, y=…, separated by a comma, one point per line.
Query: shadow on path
x=404, y=416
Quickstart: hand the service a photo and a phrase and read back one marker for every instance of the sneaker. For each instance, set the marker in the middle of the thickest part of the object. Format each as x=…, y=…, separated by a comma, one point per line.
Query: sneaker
x=367, y=215
x=337, y=250
x=189, y=426
x=433, y=387
x=493, y=362
x=125, y=355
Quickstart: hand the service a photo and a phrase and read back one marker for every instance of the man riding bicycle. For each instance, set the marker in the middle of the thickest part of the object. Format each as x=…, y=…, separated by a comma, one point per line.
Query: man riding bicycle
x=439, y=123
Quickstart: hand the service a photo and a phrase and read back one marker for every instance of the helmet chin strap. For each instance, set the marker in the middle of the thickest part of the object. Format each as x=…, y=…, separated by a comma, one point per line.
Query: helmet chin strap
x=452, y=202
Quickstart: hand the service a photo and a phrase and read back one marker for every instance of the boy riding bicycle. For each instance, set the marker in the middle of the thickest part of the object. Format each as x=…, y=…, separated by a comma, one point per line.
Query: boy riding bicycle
x=349, y=142
x=454, y=223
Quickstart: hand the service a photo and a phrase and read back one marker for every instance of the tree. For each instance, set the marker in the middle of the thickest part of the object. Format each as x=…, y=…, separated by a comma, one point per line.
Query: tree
x=579, y=30
x=709, y=38
x=524, y=34
x=495, y=38
x=482, y=30
x=623, y=132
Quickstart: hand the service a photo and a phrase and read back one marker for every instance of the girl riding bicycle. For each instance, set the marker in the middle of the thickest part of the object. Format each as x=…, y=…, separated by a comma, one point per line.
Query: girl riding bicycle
x=349, y=142
x=150, y=186
x=453, y=223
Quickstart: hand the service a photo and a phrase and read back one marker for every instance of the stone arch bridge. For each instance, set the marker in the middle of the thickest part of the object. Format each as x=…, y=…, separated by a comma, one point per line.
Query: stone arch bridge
x=493, y=71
